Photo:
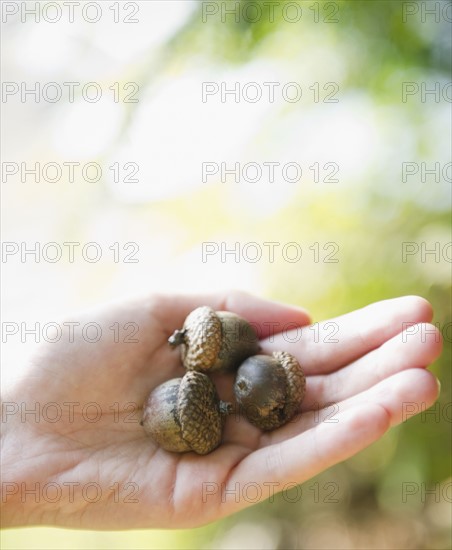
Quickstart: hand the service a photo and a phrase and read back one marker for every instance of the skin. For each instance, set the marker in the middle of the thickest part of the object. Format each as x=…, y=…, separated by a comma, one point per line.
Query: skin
x=369, y=373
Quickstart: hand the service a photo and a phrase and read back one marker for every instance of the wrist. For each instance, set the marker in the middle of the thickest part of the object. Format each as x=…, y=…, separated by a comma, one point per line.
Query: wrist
x=14, y=508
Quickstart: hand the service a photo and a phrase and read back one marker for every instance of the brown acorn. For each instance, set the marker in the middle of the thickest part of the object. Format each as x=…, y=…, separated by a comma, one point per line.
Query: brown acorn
x=270, y=389
x=214, y=340
x=185, y=414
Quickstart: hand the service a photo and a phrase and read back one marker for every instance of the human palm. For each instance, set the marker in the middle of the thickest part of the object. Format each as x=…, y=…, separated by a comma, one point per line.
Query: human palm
x=96, y=468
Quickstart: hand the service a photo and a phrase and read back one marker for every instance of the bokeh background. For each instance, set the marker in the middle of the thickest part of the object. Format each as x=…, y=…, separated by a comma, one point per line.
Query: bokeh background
x=367, y=49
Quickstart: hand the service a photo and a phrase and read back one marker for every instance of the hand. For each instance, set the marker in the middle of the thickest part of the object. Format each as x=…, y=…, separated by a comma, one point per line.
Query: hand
x=99, y=451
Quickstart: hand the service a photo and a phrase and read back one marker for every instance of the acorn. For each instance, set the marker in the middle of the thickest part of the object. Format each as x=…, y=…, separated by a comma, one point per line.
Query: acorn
x=214, y=340
x=185, y=414
x=270, y=389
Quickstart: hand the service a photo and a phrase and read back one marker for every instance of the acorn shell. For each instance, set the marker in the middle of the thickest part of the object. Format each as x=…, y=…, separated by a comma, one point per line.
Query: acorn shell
x=185, y=414
x=214, y=340
x=239, y=341
x=161, y=418
x=270, y=389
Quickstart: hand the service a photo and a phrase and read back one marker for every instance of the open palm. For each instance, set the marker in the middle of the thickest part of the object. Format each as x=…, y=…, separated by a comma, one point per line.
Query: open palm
x=96, y=468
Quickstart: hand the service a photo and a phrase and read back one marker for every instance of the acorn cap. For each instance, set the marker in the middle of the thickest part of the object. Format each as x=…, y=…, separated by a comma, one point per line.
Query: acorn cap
x=296, y=382
x=201, y=414
x=200, y=339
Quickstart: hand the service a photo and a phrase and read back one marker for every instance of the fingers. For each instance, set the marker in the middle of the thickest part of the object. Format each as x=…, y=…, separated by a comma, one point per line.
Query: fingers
x=360, y=421
x=295, y=460
x=418, y=346
x=412, y=390
x=326, y=346
x=267, y=316
x=402, y=395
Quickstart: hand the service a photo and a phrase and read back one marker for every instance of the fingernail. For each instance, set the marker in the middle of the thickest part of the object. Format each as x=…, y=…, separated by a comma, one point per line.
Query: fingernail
x=439, y=385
